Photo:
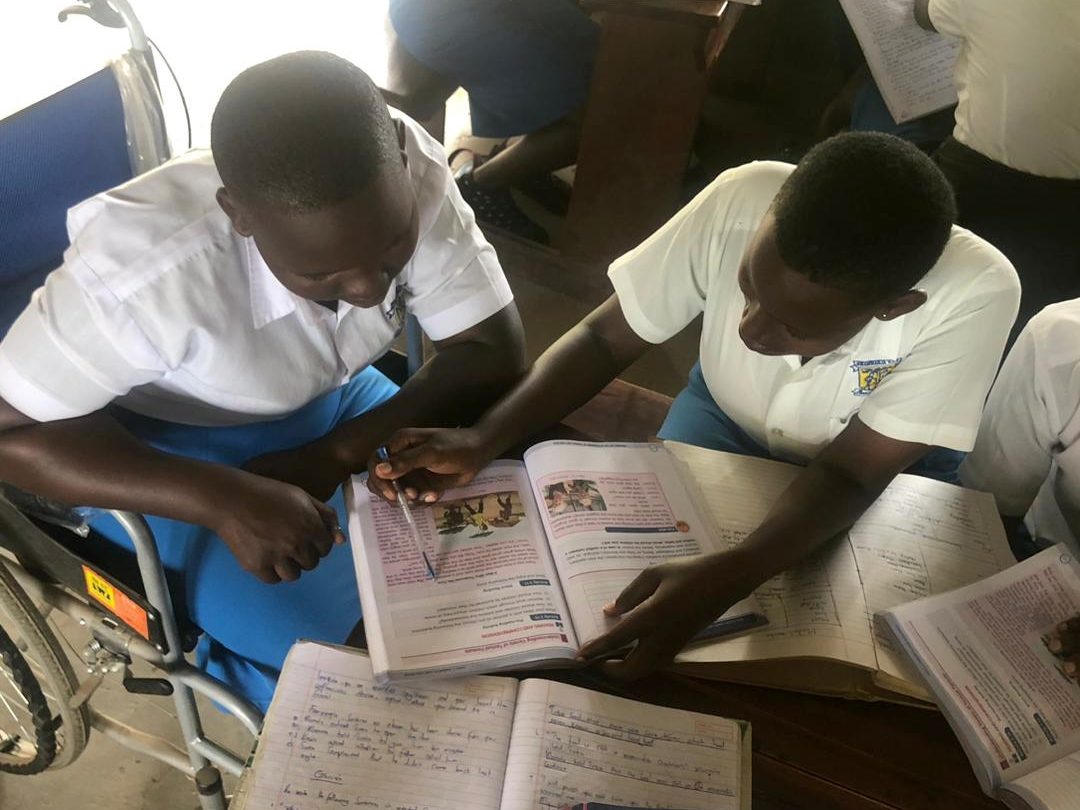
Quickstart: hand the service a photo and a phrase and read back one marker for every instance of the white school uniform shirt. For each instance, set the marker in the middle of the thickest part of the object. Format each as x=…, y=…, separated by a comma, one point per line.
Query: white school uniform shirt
x=1018, y=80
x=1028, y=451
x=161, y=306
x=922, y=377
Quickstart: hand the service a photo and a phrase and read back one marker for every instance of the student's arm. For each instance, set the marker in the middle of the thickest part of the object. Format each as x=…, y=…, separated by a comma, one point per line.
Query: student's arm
x=468, y=371
x=922, y=15
x=667, y=604
x=572, y=370
x=273, y=529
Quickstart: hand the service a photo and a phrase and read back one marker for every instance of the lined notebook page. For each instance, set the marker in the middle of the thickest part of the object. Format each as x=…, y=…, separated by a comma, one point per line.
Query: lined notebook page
x=332, y=739
x=913, y=68
x=572, y=745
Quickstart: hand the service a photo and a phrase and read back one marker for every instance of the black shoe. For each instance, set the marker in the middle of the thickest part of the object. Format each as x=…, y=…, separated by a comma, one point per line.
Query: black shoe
x=497, y=207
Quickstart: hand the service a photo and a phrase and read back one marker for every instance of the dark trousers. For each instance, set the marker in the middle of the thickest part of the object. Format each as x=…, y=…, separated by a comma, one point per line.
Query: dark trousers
x=1034, y=221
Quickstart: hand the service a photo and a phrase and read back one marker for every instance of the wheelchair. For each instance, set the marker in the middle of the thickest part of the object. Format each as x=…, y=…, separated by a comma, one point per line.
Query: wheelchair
x=87, y=138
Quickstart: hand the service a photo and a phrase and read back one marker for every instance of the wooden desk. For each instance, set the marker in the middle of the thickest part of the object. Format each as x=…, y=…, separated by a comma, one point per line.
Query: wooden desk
x=810, y=752
x=644, y=101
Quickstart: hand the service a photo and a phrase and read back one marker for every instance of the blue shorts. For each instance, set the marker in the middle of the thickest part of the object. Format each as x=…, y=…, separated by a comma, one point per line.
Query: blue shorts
x=249, y=625
x=695, y=418
x=524, y=63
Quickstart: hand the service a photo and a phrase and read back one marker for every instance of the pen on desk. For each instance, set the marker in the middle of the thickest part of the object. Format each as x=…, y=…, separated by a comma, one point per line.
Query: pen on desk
x=383, y=455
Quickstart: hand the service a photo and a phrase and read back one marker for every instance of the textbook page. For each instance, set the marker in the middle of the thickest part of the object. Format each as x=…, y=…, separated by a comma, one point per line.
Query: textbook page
x=495, y=603
x=983, y=651
x=611, y=510
x=332, y=738
x=1053, y=787
x=920, y=538
x=815, y=610
x=913, y=68
x=571, y=745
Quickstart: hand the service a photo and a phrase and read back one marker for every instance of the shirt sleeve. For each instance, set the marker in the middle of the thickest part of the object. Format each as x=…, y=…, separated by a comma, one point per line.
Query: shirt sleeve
x=948, y=16
x=662, y=284
x=1034, y=396
x=67, y=355
x=454, y=280
x=936, y=394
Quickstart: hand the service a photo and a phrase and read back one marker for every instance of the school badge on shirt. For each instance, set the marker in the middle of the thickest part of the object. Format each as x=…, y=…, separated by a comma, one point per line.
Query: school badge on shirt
x=870, y=373
x=395, y=310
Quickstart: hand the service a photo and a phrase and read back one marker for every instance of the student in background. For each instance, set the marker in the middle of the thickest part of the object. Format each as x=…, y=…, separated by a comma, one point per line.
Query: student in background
x=848, y=326
x=1014, y=155
x=526, y=67
x=221, y=312
x=1028, y=451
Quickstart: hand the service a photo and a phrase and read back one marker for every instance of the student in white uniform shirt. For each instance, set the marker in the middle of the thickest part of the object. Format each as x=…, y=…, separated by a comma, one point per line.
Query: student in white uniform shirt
x=848, y=326
x=1028, y=450
x=200, y=323
x=1014, y=155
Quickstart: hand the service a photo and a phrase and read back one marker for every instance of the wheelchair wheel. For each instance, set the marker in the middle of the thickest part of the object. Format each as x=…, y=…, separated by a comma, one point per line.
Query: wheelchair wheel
x=27, y=736
x=36, y=646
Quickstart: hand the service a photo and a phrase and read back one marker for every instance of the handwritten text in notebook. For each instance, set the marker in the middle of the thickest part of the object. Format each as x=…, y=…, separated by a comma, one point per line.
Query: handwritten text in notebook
x=337, y=740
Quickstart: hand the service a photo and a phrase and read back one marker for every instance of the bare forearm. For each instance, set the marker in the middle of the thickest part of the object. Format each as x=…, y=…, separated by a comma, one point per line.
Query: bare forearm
x=452, y=389
x=820, y=504
x=94, y=461
x=572, y=371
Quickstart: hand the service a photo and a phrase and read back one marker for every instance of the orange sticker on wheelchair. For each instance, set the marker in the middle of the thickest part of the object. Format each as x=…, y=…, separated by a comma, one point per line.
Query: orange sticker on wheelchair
x=117, y=602
x=100, y=589
x=132, y=615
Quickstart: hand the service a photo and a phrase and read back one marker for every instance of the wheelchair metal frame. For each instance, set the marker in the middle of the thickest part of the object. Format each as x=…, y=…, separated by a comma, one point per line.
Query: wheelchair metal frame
x=203, y=757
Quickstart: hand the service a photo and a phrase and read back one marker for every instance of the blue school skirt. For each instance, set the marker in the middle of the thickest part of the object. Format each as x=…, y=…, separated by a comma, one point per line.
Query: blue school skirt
x=524, y=63
x=695, y=418
x=249, y=625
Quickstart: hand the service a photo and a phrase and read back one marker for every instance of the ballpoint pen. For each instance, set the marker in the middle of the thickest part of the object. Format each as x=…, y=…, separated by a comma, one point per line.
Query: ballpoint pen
x=384, y=455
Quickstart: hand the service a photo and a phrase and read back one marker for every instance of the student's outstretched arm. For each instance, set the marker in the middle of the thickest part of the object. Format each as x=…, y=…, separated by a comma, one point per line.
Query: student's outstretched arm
x=573, y=370
x=273, y=529
x=467, y=373
x=667, y=604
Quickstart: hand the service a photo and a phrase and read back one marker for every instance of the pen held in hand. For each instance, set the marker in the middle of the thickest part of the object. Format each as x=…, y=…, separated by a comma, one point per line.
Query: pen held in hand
x=383, y=454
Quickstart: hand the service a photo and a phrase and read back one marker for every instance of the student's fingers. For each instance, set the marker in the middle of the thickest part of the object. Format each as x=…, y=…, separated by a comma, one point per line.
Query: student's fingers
x=334, y=534
x=652, y=652
x=1072, y=666
x=643, y=586
x=625, y=632
x=287, y=570
x=1064, y=644
x=1069, y=626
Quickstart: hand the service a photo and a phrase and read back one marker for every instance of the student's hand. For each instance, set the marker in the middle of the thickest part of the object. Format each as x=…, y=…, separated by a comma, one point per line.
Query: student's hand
x=663, y=608
x=426, y=461
x=275, y=530
x=1065, y=643
x=312, y=467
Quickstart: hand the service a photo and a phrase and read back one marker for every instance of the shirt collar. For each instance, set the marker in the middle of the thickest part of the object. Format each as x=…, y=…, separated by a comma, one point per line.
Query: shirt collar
x=269, y=298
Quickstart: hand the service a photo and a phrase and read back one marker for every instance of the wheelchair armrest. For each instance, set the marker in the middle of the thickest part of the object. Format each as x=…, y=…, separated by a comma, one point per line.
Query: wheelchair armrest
x=105, y=574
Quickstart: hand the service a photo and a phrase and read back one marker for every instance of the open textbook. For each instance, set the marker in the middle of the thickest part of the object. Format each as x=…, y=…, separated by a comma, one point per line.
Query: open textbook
x=333, y=738
x=912, y=68
x=920, y=537
x=982, y=649
x=527, y=555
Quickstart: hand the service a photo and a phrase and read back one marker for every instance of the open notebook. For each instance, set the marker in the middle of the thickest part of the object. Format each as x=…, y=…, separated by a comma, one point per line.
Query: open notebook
x=919, y=538
x=332, y=738
x=982, y=649
x=912, y=68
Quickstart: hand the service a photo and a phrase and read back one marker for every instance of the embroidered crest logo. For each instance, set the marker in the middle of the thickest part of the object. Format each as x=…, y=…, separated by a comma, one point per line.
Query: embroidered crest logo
x=395, y=312
x=870, y=373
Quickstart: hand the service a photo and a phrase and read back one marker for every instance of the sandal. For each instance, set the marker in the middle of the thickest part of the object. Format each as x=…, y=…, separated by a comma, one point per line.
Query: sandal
x=496, y=206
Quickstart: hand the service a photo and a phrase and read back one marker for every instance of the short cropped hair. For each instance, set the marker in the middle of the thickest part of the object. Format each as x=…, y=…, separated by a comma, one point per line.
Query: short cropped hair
x=301, y=132
x=865, y=213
